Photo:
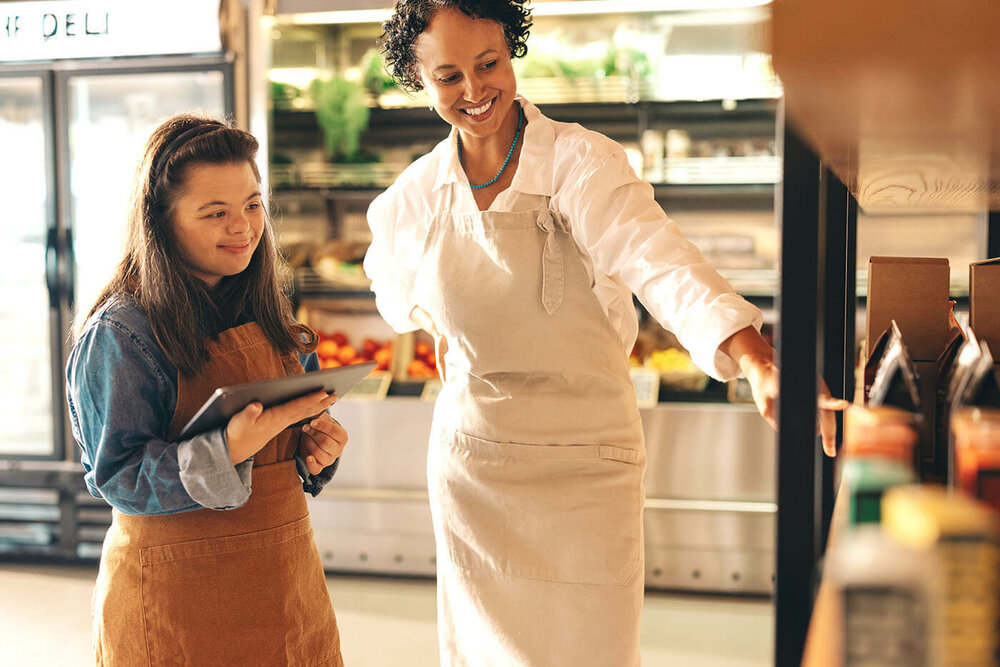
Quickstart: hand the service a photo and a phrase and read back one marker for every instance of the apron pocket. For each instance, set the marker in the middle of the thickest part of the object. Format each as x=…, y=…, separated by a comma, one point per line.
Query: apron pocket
x=256, y=598
x=569, y=514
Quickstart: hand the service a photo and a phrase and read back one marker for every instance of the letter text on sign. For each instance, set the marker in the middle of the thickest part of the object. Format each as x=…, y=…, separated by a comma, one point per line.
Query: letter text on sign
x=50, y=26
x=96, y=29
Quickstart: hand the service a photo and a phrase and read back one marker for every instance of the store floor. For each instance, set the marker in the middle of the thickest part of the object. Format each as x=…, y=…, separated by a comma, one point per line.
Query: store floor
x=44, y=620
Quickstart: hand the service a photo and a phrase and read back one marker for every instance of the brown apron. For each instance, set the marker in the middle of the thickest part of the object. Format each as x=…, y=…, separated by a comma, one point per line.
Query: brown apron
x=208, y=587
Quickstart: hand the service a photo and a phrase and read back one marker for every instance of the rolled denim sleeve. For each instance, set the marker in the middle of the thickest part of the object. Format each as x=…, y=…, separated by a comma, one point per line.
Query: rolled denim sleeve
x=206, y=471
x=121, y=401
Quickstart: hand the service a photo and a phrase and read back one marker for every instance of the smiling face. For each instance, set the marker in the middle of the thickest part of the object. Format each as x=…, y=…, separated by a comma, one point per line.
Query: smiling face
x=217, y=220
x=465, y=67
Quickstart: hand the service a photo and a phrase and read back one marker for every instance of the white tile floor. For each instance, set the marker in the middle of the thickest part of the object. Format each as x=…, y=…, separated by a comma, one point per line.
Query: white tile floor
x=44, y=620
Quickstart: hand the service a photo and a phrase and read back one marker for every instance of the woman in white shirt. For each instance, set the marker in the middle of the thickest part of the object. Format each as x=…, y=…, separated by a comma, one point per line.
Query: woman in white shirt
x=517, y=242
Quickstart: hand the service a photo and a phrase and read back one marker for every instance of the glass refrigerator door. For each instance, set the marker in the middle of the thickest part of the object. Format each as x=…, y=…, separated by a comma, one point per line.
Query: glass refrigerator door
x=110, y=117
x=26, y=320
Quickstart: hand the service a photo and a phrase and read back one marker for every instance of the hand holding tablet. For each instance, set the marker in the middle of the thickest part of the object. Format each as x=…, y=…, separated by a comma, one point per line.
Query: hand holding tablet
x=225, y=402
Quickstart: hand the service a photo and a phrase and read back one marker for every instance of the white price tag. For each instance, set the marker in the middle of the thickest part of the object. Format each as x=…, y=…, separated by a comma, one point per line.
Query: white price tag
x=373, y=387
x=647, y=386
x=431, y=390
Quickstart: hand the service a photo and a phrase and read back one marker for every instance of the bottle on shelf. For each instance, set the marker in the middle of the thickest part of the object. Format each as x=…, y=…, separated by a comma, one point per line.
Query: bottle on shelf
x=962, y=534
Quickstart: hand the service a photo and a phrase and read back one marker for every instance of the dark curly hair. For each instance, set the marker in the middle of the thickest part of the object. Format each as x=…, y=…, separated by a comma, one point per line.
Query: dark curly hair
x=411, y=18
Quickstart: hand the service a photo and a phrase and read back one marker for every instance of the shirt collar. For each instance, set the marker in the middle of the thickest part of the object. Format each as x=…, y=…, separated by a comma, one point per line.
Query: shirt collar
x=534, y=174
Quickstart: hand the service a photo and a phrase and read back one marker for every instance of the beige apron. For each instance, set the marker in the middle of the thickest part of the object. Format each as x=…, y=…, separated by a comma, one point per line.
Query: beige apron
x=207, y=587
x=536, y=457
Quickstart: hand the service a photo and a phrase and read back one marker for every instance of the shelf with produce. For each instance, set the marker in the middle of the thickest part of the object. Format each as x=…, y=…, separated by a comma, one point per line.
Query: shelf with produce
x=753, y=284
x=418, y=119
x=285, y=181
x=707, y=143
x=351, y=331
x=312, y=284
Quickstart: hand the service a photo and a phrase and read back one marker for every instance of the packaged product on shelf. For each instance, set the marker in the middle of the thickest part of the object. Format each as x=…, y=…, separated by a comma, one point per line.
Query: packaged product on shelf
x=984, y=300
x=871, y=362
x=913, y=293
x=896, y=382
x=961, y=371
x=867, y=480
x=977, y=453
x=887, y=597
x=878, y=447
x=975, y=425
x=962, y=533
x=936, y=461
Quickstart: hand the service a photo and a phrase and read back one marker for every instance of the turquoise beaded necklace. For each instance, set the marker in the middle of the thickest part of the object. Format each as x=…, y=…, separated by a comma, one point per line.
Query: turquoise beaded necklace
x=517, y=135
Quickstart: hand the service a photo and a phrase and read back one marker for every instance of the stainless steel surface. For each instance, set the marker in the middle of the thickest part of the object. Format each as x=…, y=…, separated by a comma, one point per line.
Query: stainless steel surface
x=709, y=505
x=710, y=488
x=709, y=519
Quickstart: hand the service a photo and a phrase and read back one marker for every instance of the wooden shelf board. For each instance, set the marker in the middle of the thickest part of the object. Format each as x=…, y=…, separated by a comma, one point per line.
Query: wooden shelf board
x=900, y=99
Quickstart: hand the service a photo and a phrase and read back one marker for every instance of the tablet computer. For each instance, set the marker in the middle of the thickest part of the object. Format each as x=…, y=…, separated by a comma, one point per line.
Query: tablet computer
x=227, y=401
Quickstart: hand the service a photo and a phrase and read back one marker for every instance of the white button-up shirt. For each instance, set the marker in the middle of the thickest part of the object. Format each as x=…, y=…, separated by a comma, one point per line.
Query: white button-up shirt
x=626, y=241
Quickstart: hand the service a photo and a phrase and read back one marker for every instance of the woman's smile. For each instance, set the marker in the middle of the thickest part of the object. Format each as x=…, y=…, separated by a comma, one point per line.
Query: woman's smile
x=238, y=249
x=481, y=112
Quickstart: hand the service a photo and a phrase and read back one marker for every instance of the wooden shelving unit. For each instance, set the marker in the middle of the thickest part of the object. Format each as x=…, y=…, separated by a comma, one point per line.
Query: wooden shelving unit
x=891, y=107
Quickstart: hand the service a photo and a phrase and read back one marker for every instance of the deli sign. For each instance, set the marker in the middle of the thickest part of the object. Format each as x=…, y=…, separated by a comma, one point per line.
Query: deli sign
x=64, y=29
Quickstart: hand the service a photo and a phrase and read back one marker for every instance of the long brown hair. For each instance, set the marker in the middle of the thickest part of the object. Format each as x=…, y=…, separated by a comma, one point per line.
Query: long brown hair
x=177, y=303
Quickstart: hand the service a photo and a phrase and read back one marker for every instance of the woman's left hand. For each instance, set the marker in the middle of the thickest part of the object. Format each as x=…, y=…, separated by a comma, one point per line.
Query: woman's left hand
x=322, y=442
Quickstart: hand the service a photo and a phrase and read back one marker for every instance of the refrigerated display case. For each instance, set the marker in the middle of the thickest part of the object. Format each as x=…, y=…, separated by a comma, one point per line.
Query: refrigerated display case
x=72, y=130
x=29, y=333
x=110, y=116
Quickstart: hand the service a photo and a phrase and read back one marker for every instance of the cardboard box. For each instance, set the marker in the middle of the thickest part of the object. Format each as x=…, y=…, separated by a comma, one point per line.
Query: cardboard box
x=914, y=292
x=984, y=302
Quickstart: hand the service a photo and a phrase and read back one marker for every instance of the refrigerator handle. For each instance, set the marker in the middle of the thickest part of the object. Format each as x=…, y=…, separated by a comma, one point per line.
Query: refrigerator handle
x=52, y=266
x=69, y=284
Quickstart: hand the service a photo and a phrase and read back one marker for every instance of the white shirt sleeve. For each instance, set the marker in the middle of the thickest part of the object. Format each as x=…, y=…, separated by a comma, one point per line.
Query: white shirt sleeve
x=389, y=262
x=615, y=217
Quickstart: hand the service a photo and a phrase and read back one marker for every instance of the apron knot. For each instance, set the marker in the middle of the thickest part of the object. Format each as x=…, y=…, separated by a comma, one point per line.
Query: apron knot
x=552, y=262
x=545, y=221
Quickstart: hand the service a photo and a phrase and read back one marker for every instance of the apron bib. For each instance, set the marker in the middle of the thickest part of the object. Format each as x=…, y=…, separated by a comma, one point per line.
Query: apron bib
x=536, y=457
x=208, y=587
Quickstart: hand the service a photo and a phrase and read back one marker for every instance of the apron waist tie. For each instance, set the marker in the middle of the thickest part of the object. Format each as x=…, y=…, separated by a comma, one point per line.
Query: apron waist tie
x=552, y=261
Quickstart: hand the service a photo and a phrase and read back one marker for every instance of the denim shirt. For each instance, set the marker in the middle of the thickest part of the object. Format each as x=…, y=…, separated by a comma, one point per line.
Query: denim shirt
x=122, y=393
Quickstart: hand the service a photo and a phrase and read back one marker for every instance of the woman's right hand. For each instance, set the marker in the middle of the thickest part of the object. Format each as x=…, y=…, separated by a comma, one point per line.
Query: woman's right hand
x=253, y=427
x=423, y=319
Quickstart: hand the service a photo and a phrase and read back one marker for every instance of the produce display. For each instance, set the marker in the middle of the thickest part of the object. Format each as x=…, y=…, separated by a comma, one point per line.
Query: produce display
x=335, y=349
x=424, y=364
x=676, y=369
